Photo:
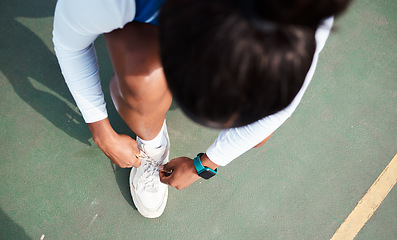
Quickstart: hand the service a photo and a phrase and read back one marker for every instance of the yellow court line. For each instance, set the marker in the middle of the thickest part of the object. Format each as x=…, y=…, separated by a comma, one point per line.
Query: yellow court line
x=369, y=203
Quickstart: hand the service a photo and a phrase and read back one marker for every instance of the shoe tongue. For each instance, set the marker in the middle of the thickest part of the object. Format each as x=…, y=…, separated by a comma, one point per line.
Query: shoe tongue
x=154, y=153
x=153, y=159
x=151, y=185
x=151, y=179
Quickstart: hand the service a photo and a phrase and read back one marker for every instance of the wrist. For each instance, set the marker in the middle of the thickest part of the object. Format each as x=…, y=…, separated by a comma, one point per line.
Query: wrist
x=204, y=170
x=207, y=162
x=102, y=132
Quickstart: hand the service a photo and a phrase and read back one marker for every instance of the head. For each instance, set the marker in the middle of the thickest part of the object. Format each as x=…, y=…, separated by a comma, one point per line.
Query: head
x=231, y=63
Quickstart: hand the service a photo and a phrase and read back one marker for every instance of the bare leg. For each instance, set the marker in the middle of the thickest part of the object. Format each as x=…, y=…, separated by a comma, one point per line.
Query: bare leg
x=138, y=87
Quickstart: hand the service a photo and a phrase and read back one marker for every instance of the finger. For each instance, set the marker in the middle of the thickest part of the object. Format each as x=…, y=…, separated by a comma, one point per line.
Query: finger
x=168, y=167
x=136, y=162
x=120, y=164
x=165, y=177
x=125, y=165
x=165, y=172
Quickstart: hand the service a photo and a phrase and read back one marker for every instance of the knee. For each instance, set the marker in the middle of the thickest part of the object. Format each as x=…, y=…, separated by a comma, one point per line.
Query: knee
x=139, y=78
x=133, y=87
x=145, y=86
x=141, y=91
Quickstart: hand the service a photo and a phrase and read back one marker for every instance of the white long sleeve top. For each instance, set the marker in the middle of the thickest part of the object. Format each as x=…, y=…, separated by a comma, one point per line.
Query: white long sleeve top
x=78, y=23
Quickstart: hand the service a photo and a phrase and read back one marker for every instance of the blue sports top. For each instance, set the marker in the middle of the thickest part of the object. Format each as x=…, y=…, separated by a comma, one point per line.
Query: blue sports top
x=147, y=11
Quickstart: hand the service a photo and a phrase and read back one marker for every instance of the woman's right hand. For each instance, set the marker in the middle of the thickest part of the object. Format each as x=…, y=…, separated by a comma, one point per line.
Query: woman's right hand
x=121, y=149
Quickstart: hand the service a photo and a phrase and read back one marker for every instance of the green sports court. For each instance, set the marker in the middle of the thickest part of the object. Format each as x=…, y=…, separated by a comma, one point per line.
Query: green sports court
x=311, y=180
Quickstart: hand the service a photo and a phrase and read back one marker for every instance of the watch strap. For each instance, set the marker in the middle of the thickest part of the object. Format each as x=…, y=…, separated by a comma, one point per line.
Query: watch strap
x=199, y=166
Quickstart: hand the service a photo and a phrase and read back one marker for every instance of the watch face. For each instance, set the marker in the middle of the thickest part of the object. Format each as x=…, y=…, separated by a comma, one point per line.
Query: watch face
x=206, y=174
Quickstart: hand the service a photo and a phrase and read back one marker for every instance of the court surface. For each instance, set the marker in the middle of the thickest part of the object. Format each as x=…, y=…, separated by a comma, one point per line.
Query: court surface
x=302, y=184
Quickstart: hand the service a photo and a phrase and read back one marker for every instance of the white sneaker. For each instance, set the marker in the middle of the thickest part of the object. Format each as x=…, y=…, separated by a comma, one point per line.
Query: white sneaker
x=148, y=193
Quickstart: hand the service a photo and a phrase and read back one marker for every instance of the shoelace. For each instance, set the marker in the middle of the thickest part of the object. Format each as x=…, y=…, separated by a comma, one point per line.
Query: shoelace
x=150, y=176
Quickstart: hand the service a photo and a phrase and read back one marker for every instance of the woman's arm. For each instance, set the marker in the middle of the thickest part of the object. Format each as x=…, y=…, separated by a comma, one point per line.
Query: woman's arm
x=233, y=142
x=76, y=25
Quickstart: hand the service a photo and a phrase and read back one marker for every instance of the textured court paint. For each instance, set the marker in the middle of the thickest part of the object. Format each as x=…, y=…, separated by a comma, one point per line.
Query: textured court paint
x=369, y=203
x=301, y=184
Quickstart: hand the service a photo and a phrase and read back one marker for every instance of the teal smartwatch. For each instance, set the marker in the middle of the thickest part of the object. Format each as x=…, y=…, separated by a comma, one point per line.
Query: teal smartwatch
x=202, y=171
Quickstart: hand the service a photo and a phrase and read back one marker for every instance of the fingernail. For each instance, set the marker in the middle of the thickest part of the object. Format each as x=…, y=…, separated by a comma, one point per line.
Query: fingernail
x=161, y=167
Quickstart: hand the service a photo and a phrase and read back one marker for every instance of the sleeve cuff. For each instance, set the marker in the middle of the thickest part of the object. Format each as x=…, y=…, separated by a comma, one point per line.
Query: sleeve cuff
x=95, y=115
